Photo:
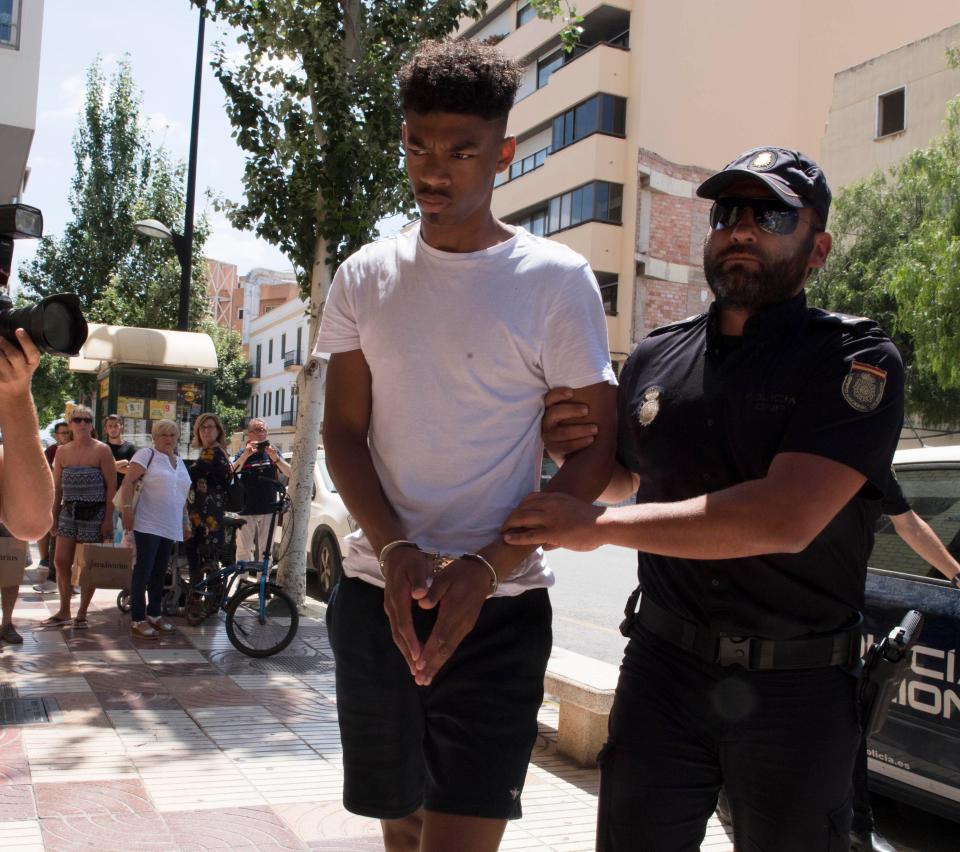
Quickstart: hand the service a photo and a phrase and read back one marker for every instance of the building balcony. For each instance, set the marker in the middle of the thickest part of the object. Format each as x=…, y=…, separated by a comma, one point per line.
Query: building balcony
x=533, y=35
x=602, y=68
x=253, y=374
x=288, y=418
x=601, y=243
x=292, y=361
x=596, y=157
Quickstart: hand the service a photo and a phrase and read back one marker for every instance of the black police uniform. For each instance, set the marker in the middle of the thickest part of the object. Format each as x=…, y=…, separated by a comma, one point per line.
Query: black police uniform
x=772, y=718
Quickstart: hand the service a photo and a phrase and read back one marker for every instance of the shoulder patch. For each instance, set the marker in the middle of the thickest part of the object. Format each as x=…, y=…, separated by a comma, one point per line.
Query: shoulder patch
x=863, y=386
x=689, y=322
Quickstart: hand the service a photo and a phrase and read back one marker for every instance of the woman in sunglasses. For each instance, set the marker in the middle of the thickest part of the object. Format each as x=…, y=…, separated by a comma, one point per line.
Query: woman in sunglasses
x=85, y=480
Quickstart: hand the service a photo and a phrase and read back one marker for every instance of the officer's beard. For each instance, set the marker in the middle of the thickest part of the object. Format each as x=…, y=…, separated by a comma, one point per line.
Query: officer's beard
x=769, y=282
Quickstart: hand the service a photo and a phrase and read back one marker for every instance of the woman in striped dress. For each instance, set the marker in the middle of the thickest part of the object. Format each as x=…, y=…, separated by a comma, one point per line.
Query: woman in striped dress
x=85, y=480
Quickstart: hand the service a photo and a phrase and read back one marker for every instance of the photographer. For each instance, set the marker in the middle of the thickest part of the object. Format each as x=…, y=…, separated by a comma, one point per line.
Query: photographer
x=26, y=486
x=257, y=465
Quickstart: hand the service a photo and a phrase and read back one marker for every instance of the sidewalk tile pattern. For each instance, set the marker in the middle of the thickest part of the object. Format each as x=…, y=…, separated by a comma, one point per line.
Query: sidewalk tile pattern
x=186, y=744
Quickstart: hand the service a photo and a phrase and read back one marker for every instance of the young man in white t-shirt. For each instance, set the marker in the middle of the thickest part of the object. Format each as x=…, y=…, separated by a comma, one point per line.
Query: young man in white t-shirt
x=444, y=340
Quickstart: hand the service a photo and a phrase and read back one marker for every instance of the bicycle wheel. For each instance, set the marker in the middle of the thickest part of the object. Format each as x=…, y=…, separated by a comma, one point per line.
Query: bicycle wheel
x=261, y=638
x=123, y=600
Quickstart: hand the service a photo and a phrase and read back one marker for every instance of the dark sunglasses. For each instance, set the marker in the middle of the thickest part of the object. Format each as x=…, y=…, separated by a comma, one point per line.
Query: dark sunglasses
x=774, y=217
x=81, y=420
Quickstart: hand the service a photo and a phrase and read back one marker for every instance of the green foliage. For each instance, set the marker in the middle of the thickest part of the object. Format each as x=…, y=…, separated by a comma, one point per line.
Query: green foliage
x=563, y=9
x=230, y=376
x=120, y=277
x=896, y=259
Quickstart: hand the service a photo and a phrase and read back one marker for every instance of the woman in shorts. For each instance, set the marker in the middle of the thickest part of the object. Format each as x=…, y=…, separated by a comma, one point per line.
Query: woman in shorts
x=85, y=480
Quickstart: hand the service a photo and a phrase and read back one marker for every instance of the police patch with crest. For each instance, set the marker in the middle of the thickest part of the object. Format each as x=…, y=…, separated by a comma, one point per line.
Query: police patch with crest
x=863, y=386
x=650, y=407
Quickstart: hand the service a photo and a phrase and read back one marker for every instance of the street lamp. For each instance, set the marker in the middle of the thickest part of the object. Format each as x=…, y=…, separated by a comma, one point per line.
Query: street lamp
x=183, y=243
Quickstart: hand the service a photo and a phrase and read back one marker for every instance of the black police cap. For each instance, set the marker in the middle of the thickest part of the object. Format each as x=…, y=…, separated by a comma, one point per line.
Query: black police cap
x=794, y=178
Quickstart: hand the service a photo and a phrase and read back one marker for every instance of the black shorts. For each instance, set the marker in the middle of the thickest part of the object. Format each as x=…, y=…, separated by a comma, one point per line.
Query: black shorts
x=460, y=745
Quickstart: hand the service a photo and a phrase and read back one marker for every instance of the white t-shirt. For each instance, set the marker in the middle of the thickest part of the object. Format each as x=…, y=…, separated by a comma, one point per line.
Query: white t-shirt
x=160, y=507
x=461, y=349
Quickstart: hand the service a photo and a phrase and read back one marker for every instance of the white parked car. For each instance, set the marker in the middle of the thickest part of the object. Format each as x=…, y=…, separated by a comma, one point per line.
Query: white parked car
x=330, y=523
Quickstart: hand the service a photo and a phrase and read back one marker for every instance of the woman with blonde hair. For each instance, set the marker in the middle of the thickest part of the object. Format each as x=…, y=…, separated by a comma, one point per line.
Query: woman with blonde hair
x=210, y=474
x=84, y=480
x=159, y=520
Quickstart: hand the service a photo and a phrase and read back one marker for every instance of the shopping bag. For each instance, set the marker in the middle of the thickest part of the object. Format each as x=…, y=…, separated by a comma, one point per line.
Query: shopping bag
x=103, y=566
x=13, y=559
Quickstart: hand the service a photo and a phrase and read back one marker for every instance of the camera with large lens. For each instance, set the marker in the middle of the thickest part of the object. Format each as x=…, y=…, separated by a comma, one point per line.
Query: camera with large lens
x=55, y=324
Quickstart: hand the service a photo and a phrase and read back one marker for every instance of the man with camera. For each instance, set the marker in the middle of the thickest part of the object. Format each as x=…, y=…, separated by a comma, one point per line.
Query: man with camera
x=26, y=486
x=257, y=466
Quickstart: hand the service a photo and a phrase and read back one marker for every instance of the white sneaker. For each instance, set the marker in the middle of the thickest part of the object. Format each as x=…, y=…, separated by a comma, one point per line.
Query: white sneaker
x=45, y=587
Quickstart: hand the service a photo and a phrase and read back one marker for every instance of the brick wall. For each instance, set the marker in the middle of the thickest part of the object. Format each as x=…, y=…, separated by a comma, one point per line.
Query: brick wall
x=674, y=222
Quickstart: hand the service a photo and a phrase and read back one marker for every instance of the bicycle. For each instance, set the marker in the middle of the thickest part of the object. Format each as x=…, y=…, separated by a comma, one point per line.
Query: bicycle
x=261, y=618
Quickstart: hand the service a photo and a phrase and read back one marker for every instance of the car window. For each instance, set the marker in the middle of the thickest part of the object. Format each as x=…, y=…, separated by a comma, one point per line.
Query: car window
x=327, y=481
x=934, y=494
x=547, y=470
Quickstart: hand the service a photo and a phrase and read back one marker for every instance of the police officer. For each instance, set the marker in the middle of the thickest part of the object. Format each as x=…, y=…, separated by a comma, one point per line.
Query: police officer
x=757, y=438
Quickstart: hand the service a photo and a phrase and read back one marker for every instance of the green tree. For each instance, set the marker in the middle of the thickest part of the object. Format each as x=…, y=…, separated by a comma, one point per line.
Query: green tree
x=314, y=105
x=120, y=277
x=896, y=259
x=230, y=377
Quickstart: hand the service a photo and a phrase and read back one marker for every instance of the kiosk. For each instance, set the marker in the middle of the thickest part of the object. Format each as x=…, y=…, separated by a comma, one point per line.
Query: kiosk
x=147, y=374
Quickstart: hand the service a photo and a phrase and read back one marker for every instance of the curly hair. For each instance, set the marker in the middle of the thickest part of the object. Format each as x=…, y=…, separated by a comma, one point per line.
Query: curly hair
x=465, y=76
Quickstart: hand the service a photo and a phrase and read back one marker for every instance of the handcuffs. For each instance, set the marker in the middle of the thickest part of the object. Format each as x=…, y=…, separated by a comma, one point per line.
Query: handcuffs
x=440, y=560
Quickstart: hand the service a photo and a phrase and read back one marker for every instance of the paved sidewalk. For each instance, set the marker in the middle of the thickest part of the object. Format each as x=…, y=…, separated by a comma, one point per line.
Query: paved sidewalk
x=187, y=744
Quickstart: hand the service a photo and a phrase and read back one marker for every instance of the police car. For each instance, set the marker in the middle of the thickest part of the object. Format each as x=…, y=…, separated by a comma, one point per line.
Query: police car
x=915, y=757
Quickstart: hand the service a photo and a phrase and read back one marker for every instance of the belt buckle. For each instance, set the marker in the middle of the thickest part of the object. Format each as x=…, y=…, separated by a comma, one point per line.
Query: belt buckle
x=735, y=651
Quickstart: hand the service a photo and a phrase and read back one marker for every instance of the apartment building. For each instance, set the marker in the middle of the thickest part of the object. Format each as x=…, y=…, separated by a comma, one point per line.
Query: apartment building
x=21, y=27
x=263, y=291
x=888, y=106
x=278, y=348
x=225, y=294
x=683, y=82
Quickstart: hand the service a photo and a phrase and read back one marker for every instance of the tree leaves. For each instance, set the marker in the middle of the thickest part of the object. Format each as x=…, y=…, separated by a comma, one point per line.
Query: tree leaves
x=121, y=278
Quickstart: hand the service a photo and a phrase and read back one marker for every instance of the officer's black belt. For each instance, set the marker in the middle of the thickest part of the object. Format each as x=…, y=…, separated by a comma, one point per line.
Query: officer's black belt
x=751, y=652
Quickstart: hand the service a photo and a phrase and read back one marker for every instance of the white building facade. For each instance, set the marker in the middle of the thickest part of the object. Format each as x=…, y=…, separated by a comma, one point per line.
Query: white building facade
x=278, y=348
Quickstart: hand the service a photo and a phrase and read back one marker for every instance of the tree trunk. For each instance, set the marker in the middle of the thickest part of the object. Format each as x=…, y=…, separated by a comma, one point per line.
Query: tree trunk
x=294, y=544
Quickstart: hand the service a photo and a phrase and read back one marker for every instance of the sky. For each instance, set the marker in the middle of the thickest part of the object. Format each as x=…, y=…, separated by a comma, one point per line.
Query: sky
x=160, y=37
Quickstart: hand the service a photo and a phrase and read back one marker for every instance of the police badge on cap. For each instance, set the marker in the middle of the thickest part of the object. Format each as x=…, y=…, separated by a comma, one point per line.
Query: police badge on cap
x=650, y=407
x=863, y=386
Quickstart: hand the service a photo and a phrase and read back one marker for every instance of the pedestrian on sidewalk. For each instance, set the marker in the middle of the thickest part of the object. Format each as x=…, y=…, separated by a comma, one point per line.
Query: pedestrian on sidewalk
x=122, y=451
x=444, y=339
x=257, y=465
x=84, y=477
x=26, y=486
x=157, y=521
x=46, y=544
x=756, y=441
x=210, y=475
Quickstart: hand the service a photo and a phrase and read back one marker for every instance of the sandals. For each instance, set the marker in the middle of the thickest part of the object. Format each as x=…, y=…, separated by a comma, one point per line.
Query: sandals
x=143, y=630
x=56, y=621
x=80, y=623
x=159, y=623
